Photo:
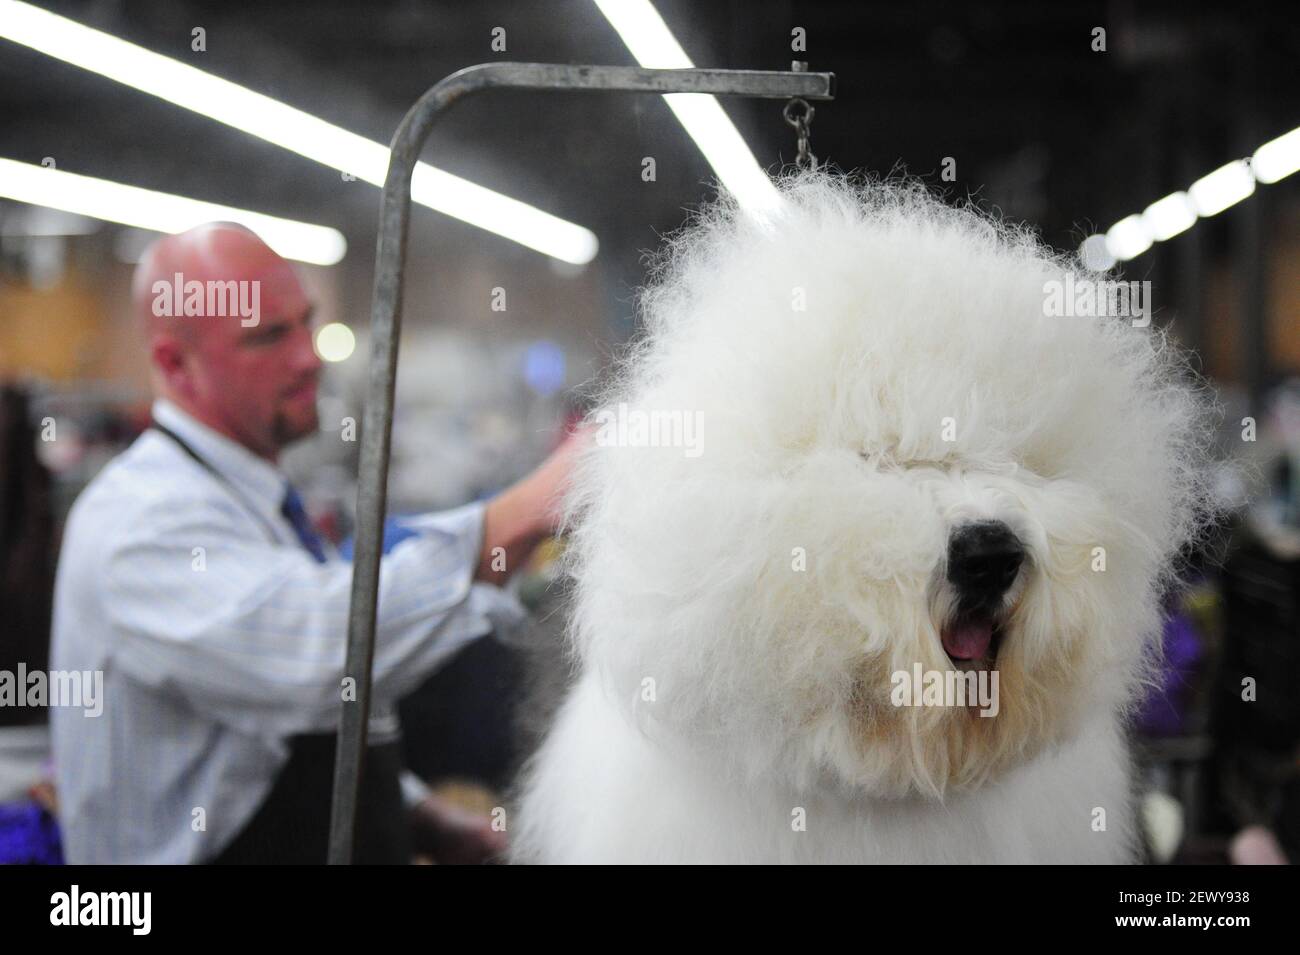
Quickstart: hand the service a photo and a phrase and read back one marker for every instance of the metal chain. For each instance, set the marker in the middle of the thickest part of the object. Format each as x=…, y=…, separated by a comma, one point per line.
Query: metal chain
x=801, y=121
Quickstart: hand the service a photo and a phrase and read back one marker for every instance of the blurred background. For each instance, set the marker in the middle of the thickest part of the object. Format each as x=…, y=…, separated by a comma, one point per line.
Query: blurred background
x=1153, y=137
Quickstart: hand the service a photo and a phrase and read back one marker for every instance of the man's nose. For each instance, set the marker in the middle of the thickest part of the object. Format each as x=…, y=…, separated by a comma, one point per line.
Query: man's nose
x=305, y=356
x=983, y=560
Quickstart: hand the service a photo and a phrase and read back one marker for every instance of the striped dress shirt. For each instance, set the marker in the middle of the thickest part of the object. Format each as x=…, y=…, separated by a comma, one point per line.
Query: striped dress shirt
x=219, y=636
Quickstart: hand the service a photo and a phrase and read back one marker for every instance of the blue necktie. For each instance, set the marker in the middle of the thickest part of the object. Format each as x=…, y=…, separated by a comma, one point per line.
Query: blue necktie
x=296, y=515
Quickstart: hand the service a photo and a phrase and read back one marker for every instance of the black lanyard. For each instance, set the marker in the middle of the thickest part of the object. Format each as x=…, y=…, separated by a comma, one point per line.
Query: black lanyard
x=229, y=485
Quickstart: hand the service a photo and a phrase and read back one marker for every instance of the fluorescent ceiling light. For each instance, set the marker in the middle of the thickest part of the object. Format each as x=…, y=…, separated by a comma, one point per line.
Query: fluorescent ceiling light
x=1167, y=217
x=1128, y=238
x=1226, y=186
x=161, y=212
x=281, y=124
x=1278, y=158
x=1094, y=255
x=653, y=45
x=1209, y=195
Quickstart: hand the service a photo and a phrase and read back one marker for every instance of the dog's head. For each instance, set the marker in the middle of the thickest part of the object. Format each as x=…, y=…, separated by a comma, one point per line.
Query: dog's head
x=854, y=449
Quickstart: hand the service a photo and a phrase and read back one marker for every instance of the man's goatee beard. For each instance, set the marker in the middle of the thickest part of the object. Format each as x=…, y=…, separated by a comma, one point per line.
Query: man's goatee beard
x=286, y=433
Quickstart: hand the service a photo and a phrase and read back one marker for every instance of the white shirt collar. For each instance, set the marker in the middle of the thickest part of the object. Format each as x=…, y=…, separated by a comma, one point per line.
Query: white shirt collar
x=255, y=477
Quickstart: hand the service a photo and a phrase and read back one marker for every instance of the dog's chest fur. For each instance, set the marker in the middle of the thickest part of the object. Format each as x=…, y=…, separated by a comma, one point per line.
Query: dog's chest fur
x=603, y=793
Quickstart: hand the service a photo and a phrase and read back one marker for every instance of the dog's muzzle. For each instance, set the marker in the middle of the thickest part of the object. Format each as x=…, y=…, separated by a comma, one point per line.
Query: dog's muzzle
x=983, y=560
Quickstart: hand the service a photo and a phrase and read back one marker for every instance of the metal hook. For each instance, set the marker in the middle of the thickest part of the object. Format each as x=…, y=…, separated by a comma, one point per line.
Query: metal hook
x=801, y=121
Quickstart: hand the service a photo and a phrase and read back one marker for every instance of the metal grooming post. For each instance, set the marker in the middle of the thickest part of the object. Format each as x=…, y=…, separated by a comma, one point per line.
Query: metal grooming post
x=385, y=325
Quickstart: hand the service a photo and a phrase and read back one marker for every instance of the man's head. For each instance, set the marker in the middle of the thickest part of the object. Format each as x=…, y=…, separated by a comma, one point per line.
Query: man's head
x=229, y=332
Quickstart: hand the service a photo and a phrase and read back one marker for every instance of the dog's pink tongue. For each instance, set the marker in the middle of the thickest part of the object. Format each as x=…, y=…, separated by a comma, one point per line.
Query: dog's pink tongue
x=968, y=641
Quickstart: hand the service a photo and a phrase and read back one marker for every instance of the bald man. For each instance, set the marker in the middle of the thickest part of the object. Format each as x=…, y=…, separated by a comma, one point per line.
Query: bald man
x=192, y=579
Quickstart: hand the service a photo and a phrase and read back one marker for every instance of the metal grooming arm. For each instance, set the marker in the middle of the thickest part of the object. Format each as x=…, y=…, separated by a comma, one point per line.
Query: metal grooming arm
x=385, y=325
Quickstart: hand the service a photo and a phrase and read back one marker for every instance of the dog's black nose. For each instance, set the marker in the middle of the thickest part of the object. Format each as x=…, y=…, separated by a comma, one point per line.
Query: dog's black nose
x=983, y=560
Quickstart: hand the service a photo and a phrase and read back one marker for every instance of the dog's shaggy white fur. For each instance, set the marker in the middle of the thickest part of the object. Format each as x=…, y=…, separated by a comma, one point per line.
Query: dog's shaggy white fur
x=740, y=611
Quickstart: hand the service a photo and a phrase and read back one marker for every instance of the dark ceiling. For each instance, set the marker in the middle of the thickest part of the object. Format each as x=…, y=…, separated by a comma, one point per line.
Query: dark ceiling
x=1039, y=124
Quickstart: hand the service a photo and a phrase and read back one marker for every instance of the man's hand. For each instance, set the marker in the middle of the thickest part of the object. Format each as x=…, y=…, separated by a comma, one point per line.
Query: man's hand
x=451, y=835
x=518, y=518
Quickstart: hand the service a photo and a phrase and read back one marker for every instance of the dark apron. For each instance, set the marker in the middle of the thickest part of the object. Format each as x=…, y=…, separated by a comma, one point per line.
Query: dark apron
x=292, y=826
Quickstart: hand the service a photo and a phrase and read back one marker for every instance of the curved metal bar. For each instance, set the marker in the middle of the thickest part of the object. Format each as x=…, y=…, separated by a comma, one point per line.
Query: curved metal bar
x=385, y=328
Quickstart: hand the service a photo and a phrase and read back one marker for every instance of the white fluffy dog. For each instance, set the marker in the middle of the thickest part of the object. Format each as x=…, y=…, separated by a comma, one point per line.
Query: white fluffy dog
x=852, y=448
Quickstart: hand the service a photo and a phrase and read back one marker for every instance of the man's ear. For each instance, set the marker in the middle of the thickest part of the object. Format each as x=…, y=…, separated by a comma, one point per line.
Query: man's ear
x=169, y=360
